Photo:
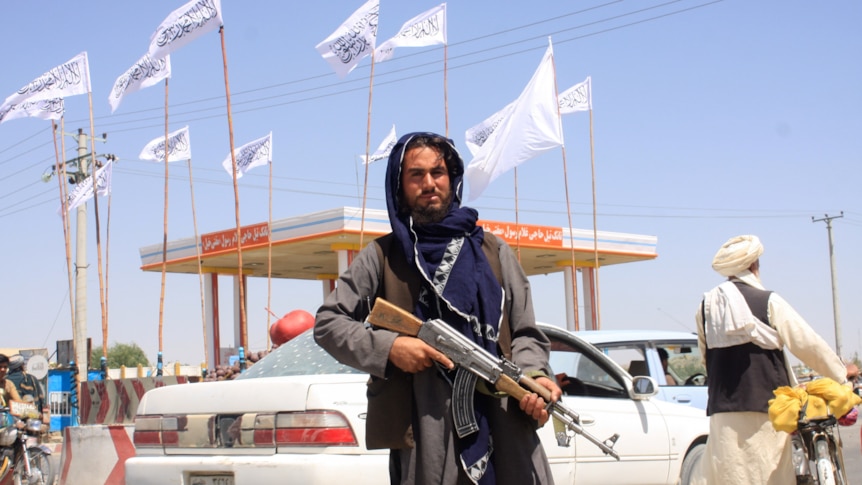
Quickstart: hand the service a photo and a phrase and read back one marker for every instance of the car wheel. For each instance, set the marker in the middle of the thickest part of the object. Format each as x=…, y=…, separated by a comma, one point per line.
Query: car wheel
x=691, y=463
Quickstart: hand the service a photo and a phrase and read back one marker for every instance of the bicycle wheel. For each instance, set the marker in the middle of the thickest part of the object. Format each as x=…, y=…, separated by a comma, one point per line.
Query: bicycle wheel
x=823, y=462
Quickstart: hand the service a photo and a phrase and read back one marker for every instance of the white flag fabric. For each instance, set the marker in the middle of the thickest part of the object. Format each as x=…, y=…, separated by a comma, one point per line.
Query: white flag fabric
x=577, y=98
x=427, y=28
x=46, y=109
x=84, y=189
x=532, y=128
x=179, y=147
x=353, y=40
x=479, y=134
x=184, y=25
x=68, y=79
x=250, y=155
x=145, y=73
x=384, y=149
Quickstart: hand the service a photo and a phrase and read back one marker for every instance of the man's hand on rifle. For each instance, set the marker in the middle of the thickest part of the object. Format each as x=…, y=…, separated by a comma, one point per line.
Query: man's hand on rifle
x=413, y=355
x=534, y=405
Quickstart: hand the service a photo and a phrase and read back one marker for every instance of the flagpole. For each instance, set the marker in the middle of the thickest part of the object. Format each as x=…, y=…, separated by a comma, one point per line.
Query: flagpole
x=107, y=254
x=367, y=150
x=67, y=230
x=198, y=254
x=61, y=180
x=164, y=241
x=98, y=231
x=243, y=329
x=568, y=204
x=446, y=86
x=596, y=298
x=517, y=226
x=269, y=262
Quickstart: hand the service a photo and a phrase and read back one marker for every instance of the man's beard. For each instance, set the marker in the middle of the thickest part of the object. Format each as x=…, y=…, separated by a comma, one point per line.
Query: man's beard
x=432, y=214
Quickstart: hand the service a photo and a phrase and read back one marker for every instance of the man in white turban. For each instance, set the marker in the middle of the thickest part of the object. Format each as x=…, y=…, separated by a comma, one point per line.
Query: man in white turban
x=742, y=333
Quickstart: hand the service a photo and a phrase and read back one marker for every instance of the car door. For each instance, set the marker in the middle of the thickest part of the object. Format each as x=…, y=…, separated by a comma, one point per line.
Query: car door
x=597, y=389
x=686, y=366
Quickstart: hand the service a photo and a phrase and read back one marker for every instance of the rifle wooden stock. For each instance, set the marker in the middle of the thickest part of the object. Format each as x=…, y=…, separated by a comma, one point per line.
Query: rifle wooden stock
x=386, y=315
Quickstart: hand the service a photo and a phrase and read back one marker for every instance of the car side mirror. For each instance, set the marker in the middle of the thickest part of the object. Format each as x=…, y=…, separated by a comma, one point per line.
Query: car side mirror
x=643, y=387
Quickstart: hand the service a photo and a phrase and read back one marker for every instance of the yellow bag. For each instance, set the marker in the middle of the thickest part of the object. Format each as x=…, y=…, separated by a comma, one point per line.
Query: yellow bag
x=784, y=408
x=840, y=399
x=821, y=397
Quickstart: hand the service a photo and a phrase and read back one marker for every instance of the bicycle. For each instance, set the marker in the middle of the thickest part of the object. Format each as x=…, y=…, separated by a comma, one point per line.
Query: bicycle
x=816, y=451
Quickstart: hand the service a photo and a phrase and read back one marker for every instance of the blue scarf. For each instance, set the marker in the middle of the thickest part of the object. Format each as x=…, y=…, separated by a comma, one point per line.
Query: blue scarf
x=458, y=286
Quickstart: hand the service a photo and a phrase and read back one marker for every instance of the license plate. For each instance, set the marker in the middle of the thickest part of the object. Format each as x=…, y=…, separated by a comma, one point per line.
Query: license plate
x=211, y=480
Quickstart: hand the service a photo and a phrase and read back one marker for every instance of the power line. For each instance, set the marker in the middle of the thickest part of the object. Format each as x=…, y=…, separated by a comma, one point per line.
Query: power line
x=361, y=81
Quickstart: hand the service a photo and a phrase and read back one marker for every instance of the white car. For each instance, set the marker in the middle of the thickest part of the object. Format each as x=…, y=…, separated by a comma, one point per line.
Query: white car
x=298, y=416
x=638, y=351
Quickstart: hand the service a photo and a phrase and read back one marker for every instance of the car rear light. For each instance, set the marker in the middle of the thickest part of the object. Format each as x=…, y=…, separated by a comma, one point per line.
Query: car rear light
x=252, y=430
x=148, y=432
x=158, y=431
x=315, y=428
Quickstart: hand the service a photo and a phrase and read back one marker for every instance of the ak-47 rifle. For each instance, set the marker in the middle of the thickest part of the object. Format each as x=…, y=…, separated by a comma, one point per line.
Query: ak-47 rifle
x=478, y=362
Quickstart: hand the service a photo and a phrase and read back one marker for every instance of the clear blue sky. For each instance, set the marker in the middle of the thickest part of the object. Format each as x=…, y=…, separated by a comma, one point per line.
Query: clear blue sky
x=711, y=119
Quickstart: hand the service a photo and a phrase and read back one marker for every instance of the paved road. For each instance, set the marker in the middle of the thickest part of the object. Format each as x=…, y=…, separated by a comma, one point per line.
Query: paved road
x=852, y=452
x=849, y=434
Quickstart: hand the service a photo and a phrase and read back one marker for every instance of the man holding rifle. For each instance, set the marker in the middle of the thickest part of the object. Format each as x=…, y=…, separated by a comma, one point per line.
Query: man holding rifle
x=438, y=264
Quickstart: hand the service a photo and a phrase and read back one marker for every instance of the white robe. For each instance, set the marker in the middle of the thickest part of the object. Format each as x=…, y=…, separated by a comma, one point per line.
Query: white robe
x=743, y=448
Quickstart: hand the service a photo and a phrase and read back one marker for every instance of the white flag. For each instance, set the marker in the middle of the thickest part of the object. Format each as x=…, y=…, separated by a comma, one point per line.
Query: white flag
x=384, y=149
x=427, y=28
x=179, y=147
x=352, y=40
x=577, y=98
x=68, y=79
x=250, y=155
x=145, y=73
x=184, y=25
x=46, y=109
x=84, y=189
x=533, y=127
x=479, y=134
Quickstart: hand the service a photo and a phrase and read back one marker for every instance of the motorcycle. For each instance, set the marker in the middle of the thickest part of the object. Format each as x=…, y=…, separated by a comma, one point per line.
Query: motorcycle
x=23, y=459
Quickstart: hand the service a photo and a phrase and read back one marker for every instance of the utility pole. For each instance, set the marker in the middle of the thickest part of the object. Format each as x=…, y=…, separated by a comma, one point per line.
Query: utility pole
x=83, y=165
x=82, y=357
x=835, y=312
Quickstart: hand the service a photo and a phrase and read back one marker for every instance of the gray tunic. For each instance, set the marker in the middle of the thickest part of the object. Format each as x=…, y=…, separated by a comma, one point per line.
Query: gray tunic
x=518, y=455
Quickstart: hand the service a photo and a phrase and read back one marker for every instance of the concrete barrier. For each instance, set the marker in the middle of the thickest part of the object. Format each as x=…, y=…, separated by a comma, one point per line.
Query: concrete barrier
x=115, y=401
x=96, y=454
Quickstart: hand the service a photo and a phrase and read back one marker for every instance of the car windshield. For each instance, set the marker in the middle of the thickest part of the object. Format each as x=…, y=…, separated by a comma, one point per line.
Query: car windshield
x=298, y=357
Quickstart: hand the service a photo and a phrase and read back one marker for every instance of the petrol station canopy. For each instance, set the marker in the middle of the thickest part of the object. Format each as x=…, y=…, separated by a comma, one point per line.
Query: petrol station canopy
x=306, y=247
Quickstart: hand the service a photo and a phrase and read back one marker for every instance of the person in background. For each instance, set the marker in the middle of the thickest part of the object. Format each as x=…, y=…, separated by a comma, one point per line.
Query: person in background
x=29, y=387
x=438, y=263
x=663, y=356
x=8, y=391
x=742, y=331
